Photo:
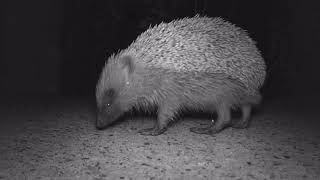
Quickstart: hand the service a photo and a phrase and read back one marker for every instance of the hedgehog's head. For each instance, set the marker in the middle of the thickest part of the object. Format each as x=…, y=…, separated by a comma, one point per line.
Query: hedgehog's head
x=113, y=91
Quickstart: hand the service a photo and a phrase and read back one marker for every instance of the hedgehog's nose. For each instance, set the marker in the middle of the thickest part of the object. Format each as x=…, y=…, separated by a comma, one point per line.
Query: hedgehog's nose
x=100, y=121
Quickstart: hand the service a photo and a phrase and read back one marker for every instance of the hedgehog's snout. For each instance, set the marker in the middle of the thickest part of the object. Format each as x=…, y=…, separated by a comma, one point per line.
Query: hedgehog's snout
x=106, y=117
x=101, y=121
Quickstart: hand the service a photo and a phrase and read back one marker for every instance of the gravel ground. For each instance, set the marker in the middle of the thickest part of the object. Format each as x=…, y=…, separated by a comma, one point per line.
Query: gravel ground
x=56, y=139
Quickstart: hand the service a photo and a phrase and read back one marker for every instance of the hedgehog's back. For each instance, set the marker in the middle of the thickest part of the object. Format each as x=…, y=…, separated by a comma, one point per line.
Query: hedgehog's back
x=200, y=44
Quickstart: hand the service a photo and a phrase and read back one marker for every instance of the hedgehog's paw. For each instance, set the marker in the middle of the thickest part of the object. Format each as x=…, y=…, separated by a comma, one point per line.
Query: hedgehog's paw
x=204, y=130
x=240, y=124
x=152, y=131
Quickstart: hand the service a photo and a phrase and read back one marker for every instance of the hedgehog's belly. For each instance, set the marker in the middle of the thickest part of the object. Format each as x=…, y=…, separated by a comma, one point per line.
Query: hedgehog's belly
x=199, y=103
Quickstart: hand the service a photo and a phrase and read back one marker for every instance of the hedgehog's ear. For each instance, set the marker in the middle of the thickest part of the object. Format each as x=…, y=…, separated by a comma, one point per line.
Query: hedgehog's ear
x=127, y=64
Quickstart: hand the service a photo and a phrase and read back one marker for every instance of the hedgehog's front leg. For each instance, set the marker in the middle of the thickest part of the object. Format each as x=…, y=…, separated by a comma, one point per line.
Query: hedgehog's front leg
x=165, y=113
x=224, y=120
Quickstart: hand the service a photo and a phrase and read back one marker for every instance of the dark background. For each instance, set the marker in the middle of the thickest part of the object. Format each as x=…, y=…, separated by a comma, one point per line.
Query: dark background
x=56, y=47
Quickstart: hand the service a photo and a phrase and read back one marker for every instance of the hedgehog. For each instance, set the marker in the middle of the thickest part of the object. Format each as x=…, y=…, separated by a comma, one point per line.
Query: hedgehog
x=197, y=63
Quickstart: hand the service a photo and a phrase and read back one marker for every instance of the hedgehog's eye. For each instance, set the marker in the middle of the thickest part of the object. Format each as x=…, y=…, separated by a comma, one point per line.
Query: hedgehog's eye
x=109, y=96
x=110, y=93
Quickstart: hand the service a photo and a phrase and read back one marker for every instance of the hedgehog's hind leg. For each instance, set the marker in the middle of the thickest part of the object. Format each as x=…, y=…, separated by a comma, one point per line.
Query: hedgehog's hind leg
x=244, y=122
x=224, y=120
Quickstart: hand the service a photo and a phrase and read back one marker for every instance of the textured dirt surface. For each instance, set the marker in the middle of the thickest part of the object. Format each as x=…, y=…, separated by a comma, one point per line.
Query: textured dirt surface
x=56, y=139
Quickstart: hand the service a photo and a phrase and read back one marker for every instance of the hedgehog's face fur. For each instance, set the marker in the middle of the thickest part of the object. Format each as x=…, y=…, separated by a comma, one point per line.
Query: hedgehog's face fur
x=113, y=90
